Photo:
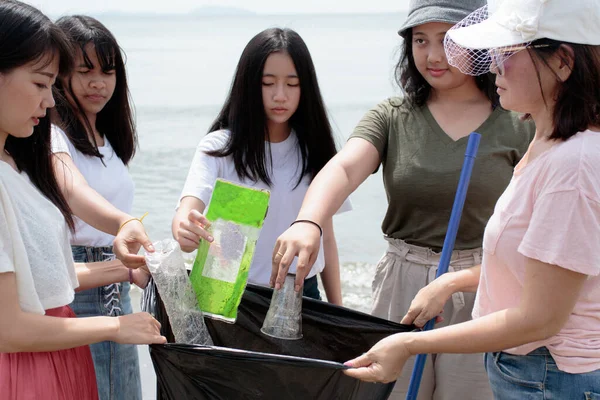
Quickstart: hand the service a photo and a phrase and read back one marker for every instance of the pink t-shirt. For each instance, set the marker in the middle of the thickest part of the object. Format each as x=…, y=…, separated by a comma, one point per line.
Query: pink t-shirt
x=550, y=212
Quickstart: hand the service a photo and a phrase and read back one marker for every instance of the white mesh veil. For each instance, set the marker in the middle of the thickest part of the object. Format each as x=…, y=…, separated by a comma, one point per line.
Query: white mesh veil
x=477, y=61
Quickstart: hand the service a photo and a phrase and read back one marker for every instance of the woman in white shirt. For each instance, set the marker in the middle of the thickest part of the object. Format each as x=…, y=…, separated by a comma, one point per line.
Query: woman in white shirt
x=272, y=133
x=94, y=137
x=43, y=350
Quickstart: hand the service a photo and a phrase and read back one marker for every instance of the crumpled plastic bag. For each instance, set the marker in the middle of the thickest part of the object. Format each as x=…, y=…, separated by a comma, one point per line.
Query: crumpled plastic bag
x=170, y=275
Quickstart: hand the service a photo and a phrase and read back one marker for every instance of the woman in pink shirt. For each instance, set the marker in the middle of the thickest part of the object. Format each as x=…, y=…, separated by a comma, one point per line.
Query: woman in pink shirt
x=537, y=311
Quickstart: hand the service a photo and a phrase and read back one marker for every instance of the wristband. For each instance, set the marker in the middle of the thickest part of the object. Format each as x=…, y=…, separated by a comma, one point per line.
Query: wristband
x=132, y=219
x=310, y=222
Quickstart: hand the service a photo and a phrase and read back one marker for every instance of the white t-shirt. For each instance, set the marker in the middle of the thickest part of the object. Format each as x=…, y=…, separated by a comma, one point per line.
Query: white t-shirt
x=284, y=204
x=34, y=244
x=111, y=180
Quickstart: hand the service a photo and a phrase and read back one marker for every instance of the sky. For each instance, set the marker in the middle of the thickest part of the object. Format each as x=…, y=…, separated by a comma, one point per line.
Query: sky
x=57, y=7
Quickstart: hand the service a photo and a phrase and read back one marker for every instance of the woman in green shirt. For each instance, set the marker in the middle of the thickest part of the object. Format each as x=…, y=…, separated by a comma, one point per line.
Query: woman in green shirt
x=420, y=141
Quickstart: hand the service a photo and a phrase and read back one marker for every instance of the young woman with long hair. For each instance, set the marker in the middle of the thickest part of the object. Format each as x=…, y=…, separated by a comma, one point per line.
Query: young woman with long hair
x=94, y=139
x=272, y=133
x=44, y=350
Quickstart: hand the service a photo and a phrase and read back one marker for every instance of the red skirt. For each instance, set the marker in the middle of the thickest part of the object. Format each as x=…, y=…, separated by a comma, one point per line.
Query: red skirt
x=52, y=375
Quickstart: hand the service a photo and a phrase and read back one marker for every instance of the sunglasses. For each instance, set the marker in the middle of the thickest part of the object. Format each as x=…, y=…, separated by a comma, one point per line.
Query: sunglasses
x=500, y=55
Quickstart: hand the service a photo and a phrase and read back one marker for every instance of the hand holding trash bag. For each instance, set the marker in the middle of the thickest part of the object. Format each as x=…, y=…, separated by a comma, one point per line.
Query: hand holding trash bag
x=302, y=239
x=138, y=328
x=383, y=362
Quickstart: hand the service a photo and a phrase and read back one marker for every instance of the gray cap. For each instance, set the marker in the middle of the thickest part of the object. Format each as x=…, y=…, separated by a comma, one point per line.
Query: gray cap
x=450, y=11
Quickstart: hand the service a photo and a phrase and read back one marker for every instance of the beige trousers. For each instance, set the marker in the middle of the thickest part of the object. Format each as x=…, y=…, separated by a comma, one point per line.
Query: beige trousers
x=401, y=273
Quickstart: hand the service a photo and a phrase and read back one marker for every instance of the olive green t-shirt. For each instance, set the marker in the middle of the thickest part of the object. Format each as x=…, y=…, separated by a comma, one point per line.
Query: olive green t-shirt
x=422, y=165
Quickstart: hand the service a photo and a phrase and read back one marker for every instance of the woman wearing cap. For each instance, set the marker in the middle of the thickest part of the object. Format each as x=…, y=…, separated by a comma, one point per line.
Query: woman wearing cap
x=421, y=141
x=538, y=301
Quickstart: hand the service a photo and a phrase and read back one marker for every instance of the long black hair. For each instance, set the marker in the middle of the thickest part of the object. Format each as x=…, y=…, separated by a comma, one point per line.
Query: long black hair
x=115, y=121
x=28, y=36
x=243, y=112
x=417, y=90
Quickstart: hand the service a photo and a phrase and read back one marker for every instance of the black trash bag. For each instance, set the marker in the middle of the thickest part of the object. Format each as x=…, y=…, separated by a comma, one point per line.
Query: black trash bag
x=246, y=364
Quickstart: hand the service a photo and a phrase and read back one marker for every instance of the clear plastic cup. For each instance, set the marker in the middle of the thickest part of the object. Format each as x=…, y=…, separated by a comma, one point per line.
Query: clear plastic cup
x=284, y=318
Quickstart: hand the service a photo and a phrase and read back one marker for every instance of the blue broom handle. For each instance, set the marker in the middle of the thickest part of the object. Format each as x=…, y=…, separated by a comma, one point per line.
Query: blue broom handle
x=459, y=202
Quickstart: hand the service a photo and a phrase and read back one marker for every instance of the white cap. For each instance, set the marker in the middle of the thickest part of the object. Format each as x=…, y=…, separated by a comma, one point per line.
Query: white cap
x=513, y=22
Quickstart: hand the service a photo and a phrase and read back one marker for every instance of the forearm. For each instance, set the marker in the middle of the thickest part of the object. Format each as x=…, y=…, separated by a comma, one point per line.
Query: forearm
x=548, y=297
x=96, y=211
x=326, y=193
x=466, y=280
x=23, y=331
x=33, y=332
x=91, y=275
x=330, y=276
x=338, y=179
x=494, y=332
x=332, y=284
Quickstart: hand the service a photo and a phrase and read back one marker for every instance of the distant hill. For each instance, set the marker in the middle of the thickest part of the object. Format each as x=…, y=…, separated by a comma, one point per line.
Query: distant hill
x=217, y=10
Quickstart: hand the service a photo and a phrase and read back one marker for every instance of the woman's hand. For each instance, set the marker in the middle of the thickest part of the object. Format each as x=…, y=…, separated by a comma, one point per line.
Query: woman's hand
x=428, y=303
x=127, y=244
x=138, y=328
x=383, y=363
x=191, y=231
x=141, y=277
x=302, y=239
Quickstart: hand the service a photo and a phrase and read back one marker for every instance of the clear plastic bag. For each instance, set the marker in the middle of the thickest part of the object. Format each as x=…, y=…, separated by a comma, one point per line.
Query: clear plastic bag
x=170, y=275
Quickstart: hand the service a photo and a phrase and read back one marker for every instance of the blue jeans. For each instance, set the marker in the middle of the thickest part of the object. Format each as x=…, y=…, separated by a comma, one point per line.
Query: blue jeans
x=117, y=365
x=311, y=288
x=536, y=377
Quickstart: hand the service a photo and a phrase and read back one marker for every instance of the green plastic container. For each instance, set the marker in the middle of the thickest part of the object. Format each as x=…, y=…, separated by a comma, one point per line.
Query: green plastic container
x=220, y=270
